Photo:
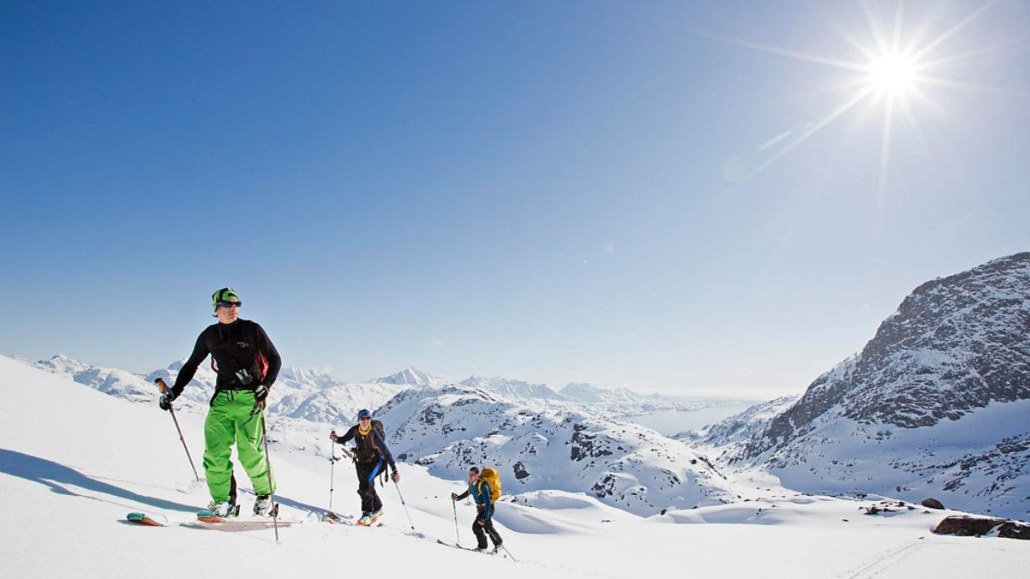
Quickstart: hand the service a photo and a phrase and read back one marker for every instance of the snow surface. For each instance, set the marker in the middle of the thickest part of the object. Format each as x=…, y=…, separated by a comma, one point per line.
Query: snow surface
x=74, y=461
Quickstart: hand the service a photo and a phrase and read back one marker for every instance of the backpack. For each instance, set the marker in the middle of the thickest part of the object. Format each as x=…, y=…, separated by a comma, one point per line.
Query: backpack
x=373, y=452
x=377, y=426
x=489, y=475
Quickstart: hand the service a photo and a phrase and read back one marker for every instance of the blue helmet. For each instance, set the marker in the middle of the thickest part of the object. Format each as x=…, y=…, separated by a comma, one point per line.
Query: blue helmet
x=364, y=413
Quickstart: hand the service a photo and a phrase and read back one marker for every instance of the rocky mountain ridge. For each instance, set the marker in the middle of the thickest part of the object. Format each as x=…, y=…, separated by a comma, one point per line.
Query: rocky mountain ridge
x=934, y=405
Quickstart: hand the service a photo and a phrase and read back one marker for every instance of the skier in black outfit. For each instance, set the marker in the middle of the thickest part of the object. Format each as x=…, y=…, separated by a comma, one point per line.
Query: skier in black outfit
x=370, y=457
x=247, y=364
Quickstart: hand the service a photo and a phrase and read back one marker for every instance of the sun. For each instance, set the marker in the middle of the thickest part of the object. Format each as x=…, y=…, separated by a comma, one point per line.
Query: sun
x=892, y=75
x=898, y=70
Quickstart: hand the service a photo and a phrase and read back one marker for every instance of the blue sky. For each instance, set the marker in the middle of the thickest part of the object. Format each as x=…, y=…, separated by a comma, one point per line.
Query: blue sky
x=607, y=192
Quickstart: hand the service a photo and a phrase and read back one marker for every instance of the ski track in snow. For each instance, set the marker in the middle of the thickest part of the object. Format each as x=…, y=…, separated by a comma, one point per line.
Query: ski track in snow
x=876, y=565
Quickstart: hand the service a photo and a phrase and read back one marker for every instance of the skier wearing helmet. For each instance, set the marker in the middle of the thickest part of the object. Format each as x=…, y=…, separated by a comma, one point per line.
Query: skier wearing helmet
x=370, y=458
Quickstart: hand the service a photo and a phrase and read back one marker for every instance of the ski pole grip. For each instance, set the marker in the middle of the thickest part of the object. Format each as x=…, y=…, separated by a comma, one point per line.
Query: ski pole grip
x=161, y=384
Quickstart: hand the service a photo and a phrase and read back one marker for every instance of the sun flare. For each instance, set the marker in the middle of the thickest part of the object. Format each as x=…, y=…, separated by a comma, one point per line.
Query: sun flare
x=897, y=74
x=892, y=74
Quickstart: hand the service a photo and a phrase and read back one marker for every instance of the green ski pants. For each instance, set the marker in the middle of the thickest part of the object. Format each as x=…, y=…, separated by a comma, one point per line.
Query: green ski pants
x=229, y=420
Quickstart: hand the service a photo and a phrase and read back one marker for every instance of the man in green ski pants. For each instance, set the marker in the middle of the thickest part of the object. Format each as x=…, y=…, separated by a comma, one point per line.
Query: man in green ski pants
x=247, y=364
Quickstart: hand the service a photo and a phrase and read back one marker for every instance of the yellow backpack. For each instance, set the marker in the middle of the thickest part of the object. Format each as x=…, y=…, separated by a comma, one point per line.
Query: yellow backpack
x=489, y=475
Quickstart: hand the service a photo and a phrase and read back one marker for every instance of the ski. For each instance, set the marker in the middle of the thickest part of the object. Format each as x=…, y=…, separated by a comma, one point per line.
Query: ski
x=208, y=520
x=237, y=524
x=494, y=551
x=143, y=519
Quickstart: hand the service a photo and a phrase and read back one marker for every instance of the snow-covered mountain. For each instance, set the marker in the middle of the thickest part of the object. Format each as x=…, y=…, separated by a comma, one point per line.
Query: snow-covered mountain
x=413, y=377
x=727, y=437
x=593, y=395
x=625, y=402
x=614, y=402
x=540, y=446
x=936, y=404
x=107, y=380
x=515, y=389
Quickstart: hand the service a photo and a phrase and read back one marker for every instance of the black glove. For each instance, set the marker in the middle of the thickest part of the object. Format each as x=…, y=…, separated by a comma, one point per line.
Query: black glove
x=454, y=496
x=165, y=401
x=260, y=393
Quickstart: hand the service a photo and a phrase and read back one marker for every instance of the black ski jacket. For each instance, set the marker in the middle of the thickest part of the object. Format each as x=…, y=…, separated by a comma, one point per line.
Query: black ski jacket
x=234, y=348
x=368, y=447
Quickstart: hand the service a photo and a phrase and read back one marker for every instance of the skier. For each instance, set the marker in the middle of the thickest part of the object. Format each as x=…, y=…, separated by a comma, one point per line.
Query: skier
x=483, y=525
x=247, y=364
x=370, y=454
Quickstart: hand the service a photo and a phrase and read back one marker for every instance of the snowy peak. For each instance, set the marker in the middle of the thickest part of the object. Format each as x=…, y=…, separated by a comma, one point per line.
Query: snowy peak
x=108, y=380
x=515, y=389
x=610, y=397
x=626, y=402
x=593, y=395
x=413, y=377
x=61, y=364
x=582, y=391
x=313, y=377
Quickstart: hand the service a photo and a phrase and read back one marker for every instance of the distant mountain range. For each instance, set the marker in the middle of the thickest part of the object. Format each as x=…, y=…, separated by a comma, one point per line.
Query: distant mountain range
x=318, y=397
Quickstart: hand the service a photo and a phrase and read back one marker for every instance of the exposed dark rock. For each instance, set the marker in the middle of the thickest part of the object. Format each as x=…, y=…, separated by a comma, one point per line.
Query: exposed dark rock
x=965, y=526
x=932, y=504
x=520, y=470
x=604, y=487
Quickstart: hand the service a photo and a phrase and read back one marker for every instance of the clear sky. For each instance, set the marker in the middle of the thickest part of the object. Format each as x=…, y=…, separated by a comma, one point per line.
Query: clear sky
x=679, y=195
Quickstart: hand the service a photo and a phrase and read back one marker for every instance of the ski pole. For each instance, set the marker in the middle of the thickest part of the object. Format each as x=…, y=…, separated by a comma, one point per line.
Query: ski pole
x=332, y=471
x=457, y=538
x=268, y=467
x=164, y=388
x=405, y=505
x=509, y=553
